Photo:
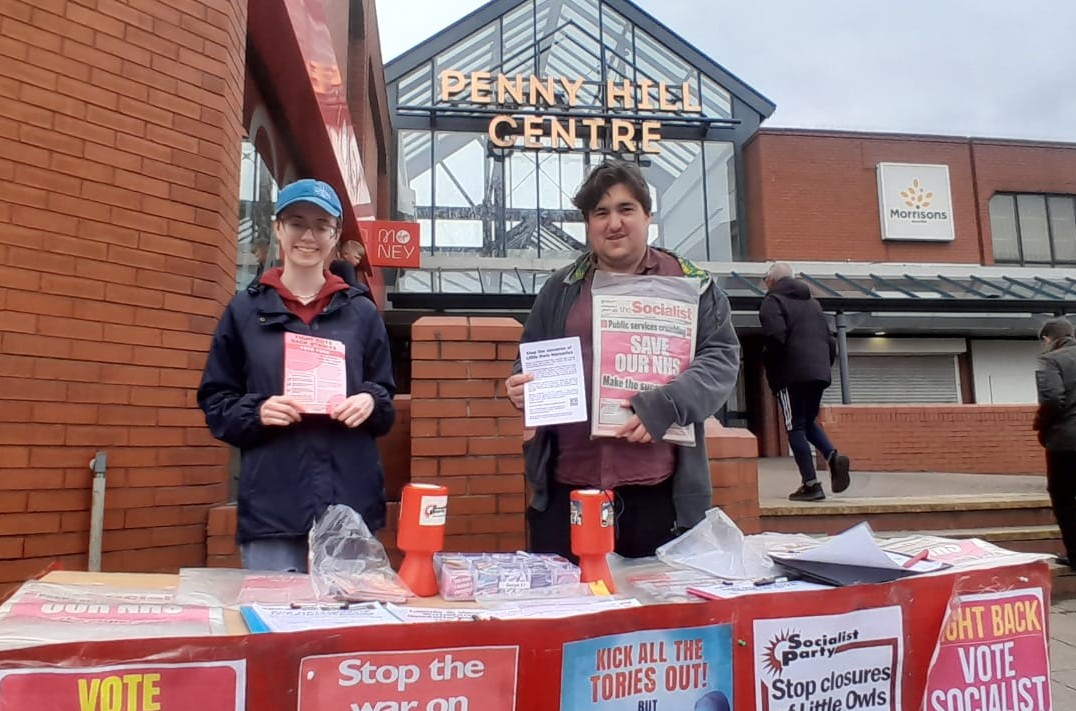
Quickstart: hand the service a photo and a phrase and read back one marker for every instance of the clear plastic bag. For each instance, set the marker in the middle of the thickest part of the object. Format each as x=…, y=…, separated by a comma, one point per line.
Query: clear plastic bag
x=652, y=581
x=716, y=546
x=50, y=613
x=348, y=563
x=232, y=588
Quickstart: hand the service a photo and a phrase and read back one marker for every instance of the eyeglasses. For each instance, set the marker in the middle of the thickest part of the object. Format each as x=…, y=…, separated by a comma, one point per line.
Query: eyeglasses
x=296, y=228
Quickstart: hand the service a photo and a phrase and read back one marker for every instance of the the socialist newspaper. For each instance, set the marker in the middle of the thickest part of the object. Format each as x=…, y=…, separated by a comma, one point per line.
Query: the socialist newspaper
x=644, y=336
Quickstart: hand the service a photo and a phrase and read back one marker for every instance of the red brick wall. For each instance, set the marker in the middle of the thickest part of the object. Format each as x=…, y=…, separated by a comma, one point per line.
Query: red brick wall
x=814, y=196
x=1020, y=168
x=465, y=433
x=395, y=449
x=978, y=439
x=220, y=548
x=119, y=164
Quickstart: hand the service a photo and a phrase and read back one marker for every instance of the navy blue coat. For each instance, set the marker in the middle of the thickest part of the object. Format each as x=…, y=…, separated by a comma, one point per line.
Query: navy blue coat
x=289, y=475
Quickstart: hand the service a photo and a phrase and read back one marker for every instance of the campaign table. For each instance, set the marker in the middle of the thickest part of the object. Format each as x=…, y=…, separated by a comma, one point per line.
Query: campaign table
x=982, y=631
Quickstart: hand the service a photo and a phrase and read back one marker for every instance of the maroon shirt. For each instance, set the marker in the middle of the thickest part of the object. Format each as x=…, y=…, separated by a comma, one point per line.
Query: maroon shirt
x=306, y=312
x=609, y=462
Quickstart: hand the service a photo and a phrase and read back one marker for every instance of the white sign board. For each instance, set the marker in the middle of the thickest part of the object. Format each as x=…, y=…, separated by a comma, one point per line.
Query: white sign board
x=830, y=662
x=915, y=202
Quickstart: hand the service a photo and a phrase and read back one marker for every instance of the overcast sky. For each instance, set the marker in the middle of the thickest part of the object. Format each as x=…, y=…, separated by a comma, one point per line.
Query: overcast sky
x=953, y=67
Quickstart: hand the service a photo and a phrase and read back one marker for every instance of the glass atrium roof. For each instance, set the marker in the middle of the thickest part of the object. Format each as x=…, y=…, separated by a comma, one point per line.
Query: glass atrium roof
x=592, y=39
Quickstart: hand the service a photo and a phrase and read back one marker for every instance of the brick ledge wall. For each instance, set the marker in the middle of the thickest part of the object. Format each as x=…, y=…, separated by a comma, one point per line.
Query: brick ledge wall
x=974, y=439
x=733, y=473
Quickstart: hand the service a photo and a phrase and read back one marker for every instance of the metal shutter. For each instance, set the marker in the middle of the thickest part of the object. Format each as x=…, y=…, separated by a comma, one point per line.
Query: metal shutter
x=897, y=379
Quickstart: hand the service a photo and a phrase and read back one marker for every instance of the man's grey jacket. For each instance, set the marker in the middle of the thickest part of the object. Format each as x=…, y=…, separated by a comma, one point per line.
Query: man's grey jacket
x=695, y=395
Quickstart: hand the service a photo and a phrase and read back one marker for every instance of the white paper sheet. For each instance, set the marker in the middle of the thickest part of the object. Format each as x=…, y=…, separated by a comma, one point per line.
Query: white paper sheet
x=284, y=618
x=857, y=547
x=564, y=607
x=557, y=395
x=738, y=589
x=432, y=614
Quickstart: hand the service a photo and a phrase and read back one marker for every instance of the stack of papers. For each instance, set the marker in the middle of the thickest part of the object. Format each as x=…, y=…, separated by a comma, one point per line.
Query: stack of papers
x=853, y=558
x=297, y=618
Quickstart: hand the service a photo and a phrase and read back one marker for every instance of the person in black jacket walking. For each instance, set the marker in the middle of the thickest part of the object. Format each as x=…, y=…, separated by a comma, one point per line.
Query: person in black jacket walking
x=798, y=354
x=1055, y=422
x=295, y=464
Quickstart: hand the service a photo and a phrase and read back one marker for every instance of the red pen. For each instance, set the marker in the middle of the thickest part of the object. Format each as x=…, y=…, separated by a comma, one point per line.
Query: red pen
x=917, y=558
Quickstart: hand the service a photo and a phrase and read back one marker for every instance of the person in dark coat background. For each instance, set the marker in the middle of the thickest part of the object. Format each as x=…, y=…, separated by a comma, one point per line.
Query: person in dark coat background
x=798, y=353
x=346, y=263
x=294, y=465
x=1055, y=422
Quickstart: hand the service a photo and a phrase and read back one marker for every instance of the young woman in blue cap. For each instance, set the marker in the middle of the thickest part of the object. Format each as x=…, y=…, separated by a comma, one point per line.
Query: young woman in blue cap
x=295, y=464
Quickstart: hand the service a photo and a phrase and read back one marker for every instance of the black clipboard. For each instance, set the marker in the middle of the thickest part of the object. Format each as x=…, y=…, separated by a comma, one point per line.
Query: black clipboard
x=841, y=575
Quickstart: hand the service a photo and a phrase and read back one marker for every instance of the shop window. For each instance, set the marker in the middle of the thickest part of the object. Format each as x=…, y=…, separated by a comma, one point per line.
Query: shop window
x=256, y=246
x=470, y=197
x=676, y=176
x=1029, y=228
x=720, y=202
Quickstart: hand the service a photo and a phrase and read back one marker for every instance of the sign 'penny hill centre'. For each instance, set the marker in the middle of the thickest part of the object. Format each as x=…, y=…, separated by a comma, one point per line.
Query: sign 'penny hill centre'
x=533, y=130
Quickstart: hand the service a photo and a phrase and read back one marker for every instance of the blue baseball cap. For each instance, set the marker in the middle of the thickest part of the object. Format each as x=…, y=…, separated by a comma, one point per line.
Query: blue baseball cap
x=312, y=191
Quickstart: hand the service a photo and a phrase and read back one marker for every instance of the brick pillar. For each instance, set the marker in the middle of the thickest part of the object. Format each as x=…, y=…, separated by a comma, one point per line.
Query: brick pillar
x=733, y=456
x=465, y=434
x=119, y=177
x=221, y=550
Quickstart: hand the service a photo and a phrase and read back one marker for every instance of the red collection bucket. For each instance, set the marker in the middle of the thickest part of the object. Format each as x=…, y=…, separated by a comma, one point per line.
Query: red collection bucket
x=421, y=533
x=592, y=518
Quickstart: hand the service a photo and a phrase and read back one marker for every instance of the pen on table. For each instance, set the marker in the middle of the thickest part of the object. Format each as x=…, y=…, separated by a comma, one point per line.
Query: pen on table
x=770, y=581
x=917, y=558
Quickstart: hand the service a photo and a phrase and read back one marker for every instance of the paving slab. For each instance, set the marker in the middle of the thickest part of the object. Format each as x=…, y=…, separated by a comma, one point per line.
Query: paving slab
x=778, y=476
x=1064, y=697
x=1063, y=654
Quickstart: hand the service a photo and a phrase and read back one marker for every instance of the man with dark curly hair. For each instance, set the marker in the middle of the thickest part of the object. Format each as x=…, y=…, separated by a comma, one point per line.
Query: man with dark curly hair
x=660, y=488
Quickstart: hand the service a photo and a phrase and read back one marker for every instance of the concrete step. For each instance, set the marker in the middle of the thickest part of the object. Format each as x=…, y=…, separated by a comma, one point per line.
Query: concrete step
x=1064, y=583
x=909, y=513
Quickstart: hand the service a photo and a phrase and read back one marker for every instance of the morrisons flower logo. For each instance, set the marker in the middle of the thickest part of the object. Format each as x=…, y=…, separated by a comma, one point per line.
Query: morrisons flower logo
x=916, y=196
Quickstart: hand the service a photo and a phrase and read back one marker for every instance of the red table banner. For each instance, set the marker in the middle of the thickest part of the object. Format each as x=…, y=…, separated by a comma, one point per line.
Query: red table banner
x=993, y=654
x=429, y=680
x=206, y=686
x=860, y=648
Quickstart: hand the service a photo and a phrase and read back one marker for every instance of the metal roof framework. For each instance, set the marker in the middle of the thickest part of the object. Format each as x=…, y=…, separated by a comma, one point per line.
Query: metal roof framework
x=594, y=41
x=482, y=289
x=585, y=35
